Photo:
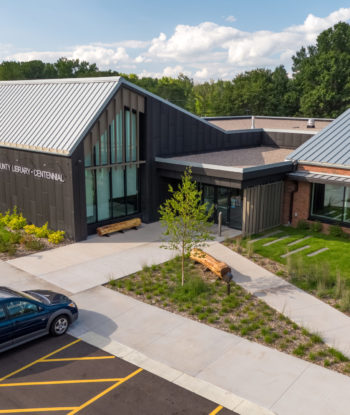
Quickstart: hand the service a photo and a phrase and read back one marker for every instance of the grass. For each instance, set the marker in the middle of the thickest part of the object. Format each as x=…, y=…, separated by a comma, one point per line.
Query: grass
x=203, y=298
x=326, y=275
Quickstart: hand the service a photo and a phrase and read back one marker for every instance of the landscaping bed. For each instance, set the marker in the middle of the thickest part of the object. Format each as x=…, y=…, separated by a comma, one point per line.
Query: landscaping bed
x=325, y=275
x=17, y=238
x=204, y=298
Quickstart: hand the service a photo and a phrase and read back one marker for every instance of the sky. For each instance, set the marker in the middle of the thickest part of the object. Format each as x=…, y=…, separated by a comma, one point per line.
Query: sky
x=204, y=40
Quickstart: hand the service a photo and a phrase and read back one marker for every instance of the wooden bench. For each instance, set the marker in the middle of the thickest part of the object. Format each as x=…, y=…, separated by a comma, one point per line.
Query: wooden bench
x=220, y=269
x=119, y=226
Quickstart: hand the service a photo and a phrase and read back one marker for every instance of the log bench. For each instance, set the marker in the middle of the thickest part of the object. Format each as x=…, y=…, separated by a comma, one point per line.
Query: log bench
x=220, y=269
x=118, y=227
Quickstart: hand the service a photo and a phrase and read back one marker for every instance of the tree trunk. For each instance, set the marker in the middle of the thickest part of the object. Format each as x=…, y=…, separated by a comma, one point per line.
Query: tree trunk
x=183, y=265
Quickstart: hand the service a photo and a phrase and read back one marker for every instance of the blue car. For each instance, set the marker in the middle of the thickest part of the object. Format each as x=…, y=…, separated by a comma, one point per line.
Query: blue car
x=27, y=315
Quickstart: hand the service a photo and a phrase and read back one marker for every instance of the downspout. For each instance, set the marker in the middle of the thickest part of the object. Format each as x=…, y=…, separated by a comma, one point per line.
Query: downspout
x=291, y=202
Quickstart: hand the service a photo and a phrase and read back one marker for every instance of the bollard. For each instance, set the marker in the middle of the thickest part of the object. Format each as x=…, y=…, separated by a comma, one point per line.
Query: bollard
x=220, y=222
x=228, y=278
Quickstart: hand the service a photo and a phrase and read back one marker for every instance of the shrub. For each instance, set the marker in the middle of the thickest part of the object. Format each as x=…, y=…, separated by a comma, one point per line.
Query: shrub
x=31, y=244
x=336, y=231
x=30, y=229
x=56, y=237
x=316, y=226
x=42, y=232
x=5, y=219
x=303, y=225
x=17, y=222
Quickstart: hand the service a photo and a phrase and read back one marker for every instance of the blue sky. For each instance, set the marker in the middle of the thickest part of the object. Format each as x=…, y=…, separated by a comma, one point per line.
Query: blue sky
x=204, y=39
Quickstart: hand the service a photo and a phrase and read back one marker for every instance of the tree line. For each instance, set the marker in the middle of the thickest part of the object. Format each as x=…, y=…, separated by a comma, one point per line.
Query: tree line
x=319, y=85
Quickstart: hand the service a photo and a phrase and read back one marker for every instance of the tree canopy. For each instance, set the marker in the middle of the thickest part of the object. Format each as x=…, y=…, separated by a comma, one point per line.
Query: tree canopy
x=319, y=85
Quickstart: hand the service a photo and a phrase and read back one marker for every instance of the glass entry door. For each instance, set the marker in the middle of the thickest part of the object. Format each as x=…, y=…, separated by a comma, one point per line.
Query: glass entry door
x=235, y=209
x=227, y=201
x=223, y=194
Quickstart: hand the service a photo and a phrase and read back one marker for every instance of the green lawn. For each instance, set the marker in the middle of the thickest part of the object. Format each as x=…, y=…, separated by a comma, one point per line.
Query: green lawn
x=336, y=259
x=326, y=275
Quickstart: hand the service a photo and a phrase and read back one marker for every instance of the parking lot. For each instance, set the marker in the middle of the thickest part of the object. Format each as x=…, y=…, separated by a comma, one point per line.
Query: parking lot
x=67, y=376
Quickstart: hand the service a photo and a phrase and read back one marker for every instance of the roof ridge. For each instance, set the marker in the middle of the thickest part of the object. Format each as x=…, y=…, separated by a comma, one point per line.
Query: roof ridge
x=86, y=80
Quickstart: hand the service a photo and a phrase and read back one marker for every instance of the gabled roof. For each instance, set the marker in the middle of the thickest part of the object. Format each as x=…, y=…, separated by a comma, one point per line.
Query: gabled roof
x=54, y=115
x=331, y=146
x=51, y=115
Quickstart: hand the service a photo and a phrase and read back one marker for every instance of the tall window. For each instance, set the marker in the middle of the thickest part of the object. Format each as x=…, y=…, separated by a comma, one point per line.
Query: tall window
x=111, y=170
x=331, y=202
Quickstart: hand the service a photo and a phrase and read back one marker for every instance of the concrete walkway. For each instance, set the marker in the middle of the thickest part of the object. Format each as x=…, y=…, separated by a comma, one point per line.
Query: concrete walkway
x=304, y=309
x=204, y=359
x=83, y=265
x=239, y=373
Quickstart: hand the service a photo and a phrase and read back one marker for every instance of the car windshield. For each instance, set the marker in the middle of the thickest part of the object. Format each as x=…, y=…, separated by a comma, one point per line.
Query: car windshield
x=29, y=296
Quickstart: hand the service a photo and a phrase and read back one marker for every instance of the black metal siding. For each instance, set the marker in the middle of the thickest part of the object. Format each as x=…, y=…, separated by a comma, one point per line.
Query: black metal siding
x=41, y=200
x=284, y=139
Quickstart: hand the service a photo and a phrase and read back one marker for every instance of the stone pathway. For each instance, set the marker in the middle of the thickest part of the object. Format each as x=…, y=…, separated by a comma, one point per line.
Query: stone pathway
x=295, y=251
x=268, y=235
x=276, y=240
x=299, y=240
x=317, y=252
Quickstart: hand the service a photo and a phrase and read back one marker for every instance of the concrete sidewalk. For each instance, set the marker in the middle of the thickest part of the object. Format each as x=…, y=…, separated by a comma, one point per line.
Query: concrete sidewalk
x=304, y=309
x=200, y=357
x=83, y=265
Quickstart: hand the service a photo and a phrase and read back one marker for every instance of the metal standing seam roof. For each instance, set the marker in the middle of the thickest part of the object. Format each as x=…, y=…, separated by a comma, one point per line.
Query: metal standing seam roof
x=330, y=146
x=54, y=115
x=51, y=115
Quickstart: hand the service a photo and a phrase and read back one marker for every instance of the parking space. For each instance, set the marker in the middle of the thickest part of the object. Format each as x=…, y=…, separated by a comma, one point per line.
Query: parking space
x=67, y=376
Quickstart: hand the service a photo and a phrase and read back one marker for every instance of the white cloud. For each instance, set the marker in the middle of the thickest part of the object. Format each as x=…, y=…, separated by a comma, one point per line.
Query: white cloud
x=230, y=19
x=205, y=51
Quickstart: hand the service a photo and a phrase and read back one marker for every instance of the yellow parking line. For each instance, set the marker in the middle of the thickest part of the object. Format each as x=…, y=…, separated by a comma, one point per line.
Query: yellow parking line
x=38, y=360
x=95, y=398
x=68, y=359
x=216, y=410
x=14, y=411
x=59, y=382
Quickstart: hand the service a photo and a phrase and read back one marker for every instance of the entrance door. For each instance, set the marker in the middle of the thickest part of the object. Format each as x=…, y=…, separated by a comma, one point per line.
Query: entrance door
x=235, y=209
x=208, y=195
x=223, y=194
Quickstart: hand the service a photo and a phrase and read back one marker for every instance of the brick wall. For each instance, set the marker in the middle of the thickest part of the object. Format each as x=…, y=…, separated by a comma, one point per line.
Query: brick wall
x=301, y=202
x=302, y=197
x=328, y=170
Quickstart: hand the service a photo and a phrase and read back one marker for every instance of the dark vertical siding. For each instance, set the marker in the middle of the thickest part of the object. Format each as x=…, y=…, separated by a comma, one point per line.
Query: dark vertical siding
x=41, y=200
x=284, y=139
x=191, y=135
x=262, y=207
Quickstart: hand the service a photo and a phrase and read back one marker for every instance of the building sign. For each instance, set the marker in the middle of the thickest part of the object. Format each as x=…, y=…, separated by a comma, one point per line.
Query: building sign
x=41, y=174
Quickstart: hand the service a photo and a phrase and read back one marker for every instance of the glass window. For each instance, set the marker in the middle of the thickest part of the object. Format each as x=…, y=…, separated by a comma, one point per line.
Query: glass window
x=103, y=194
x=119, y=130
x=118, y=194
x=97, y=153
x=113, y=146
x=17, y=308
x=90, y=196
x=104, y=148
x=131, y=190
x=328, y=201
x=2, y=314
x=87, y=153
x=127, y=135
x=133, y=136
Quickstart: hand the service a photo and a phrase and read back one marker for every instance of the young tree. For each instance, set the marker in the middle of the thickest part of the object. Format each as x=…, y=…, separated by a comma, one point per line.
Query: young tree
x=186, y=219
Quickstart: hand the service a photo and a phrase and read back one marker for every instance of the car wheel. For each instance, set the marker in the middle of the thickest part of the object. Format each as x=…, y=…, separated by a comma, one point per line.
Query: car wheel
x=59, y=326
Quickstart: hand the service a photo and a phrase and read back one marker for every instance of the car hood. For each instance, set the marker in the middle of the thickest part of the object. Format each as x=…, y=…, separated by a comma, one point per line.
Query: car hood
x=48, y=297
